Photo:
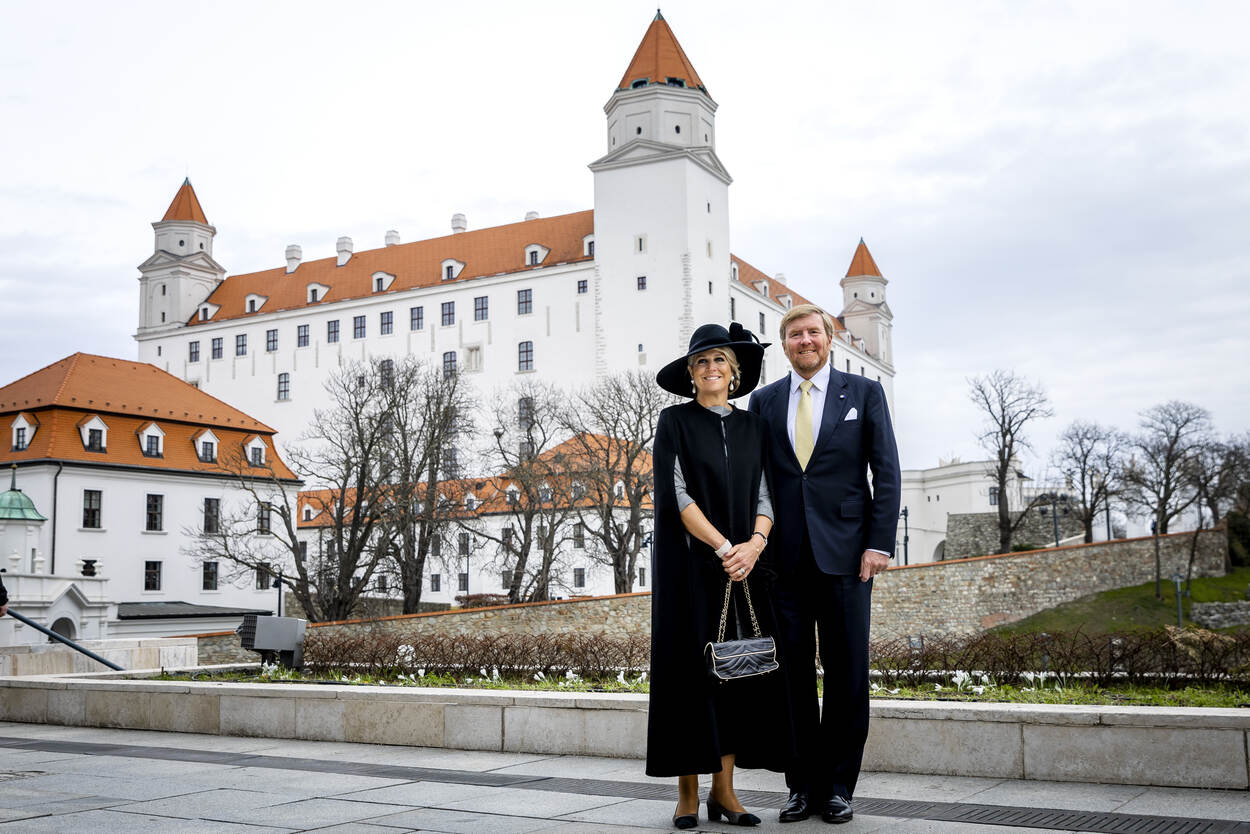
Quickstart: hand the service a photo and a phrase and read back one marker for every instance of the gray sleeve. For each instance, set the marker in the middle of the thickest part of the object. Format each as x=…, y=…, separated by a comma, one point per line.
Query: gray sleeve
x=764, y=504
x=679, y=486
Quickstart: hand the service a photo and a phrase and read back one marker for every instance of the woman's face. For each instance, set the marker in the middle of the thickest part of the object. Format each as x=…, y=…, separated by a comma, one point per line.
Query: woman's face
x=711, y=372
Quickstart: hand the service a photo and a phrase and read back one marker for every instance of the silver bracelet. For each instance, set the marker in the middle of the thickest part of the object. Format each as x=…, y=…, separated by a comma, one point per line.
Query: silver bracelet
x=762, y=536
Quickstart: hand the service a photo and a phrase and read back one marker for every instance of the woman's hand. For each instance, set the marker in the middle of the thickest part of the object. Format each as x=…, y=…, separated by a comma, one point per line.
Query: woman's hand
x=741, y=558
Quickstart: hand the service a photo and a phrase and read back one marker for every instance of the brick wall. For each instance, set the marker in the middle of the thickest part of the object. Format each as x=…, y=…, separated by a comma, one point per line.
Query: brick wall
x=976, y=534
x=963, y=596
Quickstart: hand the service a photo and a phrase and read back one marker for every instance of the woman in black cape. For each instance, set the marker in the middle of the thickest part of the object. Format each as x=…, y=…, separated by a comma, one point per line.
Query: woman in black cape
x=712, y=519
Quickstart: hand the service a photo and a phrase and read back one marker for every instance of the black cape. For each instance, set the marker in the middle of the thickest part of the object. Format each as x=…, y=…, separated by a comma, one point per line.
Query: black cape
x=692, y=720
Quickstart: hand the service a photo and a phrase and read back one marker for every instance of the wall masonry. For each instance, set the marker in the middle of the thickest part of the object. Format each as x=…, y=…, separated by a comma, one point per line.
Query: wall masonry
x=976, y=534
x=961, y=596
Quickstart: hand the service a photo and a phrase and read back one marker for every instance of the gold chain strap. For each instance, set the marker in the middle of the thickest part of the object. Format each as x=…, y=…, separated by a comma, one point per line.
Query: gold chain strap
x=724, y=611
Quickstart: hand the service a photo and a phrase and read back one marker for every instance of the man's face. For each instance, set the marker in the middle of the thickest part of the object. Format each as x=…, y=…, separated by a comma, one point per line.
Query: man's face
x=807, y=345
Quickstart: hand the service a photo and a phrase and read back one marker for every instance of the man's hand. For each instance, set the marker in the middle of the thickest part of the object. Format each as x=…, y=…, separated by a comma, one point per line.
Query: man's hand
x=4, y=609
x=871, y=564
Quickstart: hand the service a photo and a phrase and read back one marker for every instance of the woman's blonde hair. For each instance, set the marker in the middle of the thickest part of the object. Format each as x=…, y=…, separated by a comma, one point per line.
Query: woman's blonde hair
x=730, y=357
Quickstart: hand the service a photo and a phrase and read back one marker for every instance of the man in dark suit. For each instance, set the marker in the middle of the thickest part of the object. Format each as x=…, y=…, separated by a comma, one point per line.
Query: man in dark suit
x=833, y=534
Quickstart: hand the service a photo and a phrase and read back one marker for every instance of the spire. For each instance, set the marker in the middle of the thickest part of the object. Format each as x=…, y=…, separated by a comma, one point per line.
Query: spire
x=862, y=262
x=660, y=60
x=186, y=206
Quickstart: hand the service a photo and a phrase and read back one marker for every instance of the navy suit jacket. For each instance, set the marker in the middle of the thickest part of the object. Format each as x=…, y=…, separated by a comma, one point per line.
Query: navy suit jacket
x=831, y=501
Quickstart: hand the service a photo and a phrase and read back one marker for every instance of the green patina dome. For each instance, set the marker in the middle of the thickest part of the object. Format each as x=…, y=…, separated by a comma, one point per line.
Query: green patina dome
x=15, y=505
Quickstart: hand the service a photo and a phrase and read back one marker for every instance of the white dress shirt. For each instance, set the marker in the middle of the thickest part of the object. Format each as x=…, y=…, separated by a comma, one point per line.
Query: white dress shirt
x=820, y=386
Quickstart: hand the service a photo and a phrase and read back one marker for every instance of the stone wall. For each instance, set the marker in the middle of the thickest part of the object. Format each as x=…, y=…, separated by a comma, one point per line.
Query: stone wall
x=620, y=615
x=1220, y=614
x=976, y=534
x=965, y=596
x=129, y=653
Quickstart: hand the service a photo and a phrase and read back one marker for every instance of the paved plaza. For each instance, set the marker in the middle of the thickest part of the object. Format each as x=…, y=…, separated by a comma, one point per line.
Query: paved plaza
x=67, y=779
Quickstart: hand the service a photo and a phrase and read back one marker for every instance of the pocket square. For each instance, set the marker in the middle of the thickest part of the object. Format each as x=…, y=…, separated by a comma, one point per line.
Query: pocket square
x=851, y=415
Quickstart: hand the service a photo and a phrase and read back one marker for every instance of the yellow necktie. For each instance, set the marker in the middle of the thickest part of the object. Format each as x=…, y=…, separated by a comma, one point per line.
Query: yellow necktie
x=803, y=441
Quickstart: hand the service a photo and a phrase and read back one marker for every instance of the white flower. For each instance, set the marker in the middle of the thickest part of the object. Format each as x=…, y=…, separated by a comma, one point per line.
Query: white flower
x=978, y=690
x=494, y=673
x=539, y=676
x=937, y=687
x=620, y=677
x=421, y=673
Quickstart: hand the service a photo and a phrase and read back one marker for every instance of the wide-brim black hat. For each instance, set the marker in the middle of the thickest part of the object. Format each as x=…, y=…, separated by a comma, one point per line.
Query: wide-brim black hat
x=675, y=378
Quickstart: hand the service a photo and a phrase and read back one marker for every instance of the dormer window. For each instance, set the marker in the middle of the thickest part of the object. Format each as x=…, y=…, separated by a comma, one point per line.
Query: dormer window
x=94, y=434
x=151, y=441
x=255, y=302
x=470, y=503
x=206, y=446
x=511, y=496
x=535, y=254
x=544, y=493
x=24, y=428
x=733, y=271
x=786, y=300
x=317, y=292
x=308, y=513
x=451, y=268
x=588, y=246
x=382, y=281
x=761, y=287
x=675, y=82
x=255, y=451
x=639, y=83
x=152, y=446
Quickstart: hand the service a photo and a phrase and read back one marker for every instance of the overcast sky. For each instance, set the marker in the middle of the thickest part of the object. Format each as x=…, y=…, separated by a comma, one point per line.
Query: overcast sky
x=1059, y=189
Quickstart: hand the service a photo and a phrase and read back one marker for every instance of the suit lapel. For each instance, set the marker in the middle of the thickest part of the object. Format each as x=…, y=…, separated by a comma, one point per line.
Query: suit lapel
x=778, y=414
x=836, y=406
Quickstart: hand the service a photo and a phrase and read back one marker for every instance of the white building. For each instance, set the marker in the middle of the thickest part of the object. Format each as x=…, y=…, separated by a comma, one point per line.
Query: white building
x=568, y=298
x=125, y=463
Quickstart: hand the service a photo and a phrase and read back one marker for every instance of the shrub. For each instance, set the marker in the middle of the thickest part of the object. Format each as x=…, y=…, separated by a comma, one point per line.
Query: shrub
x=1239, y=538
x=482, y=600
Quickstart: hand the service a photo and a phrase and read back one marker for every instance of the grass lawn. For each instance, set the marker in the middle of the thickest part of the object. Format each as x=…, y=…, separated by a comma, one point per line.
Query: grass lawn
x=1135, y=607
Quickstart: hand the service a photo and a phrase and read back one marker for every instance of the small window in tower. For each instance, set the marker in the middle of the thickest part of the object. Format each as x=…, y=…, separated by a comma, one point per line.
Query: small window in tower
x=709, y=208
x=676, y=82
x=709, y=287
x=251, y=305
x=162, y=318
x=854, y=295
x=676, y=128
x=182, y=243
x=638, y=131
x=162, y=289
x=377, y=284
x=201, y=246
x=872, y=294
x=450, y=272
x=312, y=295
x=158, y=347
x=590, y=249
x=641, y=82
x=642, y=282
x=533, y=257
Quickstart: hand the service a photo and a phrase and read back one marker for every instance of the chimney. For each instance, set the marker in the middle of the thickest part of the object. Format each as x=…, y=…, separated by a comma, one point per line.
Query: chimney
x=780, y=276
x=344, y=247
x=294, y=254
x=392, y=238
x=458, y=223
x=531, y=215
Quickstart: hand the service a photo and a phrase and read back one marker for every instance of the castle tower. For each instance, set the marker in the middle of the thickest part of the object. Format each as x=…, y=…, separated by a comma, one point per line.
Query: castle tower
x=181, y=272
x=864, y=311
x=661, y=210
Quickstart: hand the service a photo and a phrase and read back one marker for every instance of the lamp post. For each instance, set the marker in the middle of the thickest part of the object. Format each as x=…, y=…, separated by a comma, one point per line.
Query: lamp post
x=903, y=515
x=1178, y=579
x=1154, y=531
x=1054, y=515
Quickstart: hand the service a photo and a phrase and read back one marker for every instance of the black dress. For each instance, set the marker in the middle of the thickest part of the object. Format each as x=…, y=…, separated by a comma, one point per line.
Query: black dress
x=693, y=721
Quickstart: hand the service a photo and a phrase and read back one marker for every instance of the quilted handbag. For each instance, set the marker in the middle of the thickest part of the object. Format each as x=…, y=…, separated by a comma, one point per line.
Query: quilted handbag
x=748, y=657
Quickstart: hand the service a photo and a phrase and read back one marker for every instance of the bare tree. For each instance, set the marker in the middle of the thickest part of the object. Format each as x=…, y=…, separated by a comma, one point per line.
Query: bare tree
x=612, y=426
x=344, y=451
x=526, y=515
x=429, y=414
x=1009, y=403
x=1217, y=469
x=1090, y=458
x=1158, y=477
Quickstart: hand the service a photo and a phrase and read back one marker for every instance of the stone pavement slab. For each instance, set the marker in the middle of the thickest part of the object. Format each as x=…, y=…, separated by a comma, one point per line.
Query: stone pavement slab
x=422, y=794
x=118, y=822
x=461, y=822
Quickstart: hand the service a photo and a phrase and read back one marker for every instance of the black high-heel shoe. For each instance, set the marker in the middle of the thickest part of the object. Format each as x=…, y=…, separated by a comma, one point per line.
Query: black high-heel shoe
x=715, y=811
x=685, y=821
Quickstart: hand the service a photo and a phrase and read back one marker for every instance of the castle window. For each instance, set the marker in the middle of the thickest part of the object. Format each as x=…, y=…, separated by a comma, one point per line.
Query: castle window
x=642, y=282
x=154, y=517
x=642, y=576
x=91, y=500
x=676, y=128
x=358, y=327
x=240, y=345
x=640, y=243
x=208, y=451
x=386, y=372
x=152, y=576
x=481, y=308
x=19, y=438
x=264, y=514
x=579, y=577
x=449, y=363
x=158, y=350
x=590, y=248
x=525, y=356
x=201, y=246
x=582, y=286
x=162, y=289
x=217, y=348
x=448, y=313
x=312, y=295
x=193, y=351
x=203, y=314
x=251, y=305
x=182, y=243
x=284, y=386
x=257, y=456
x=638, y=84
x=994, y=496
x=212, y=515
x=533, y=257
x=95, y=440
x=301, y=336
x=848, y=365
x=462, y=582
x=387, y=323
x=524, y=302
x=436, y=582
x=709, y=287
x=152, y=446
x=525, y=413
x=416, y=318
x=377, y=285
x=332, y=331
x=208, y=576
x=675, y=82
x=762, y=323
x=638, y=131
x=579, y=535
x=449, y=273
x=271, y=340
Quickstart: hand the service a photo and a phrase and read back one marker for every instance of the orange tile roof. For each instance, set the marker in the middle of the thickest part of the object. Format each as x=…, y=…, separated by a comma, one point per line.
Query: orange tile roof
x=659, y=58
x=104, y=385
x=484, y=252
x=862, y=262
x=58, y=438
x=186, y=206
x=748, y=275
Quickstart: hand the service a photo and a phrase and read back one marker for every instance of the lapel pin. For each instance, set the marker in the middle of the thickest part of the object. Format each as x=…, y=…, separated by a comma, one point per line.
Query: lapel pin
x=841, y=396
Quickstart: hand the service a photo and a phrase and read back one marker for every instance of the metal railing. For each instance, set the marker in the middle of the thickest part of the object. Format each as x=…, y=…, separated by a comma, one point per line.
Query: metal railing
x=65, y=640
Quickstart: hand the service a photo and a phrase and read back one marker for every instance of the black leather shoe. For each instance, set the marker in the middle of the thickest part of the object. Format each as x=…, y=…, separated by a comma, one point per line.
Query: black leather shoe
x=685, y=821
x=796, y=808
x=836, y=810
x=715, y=811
